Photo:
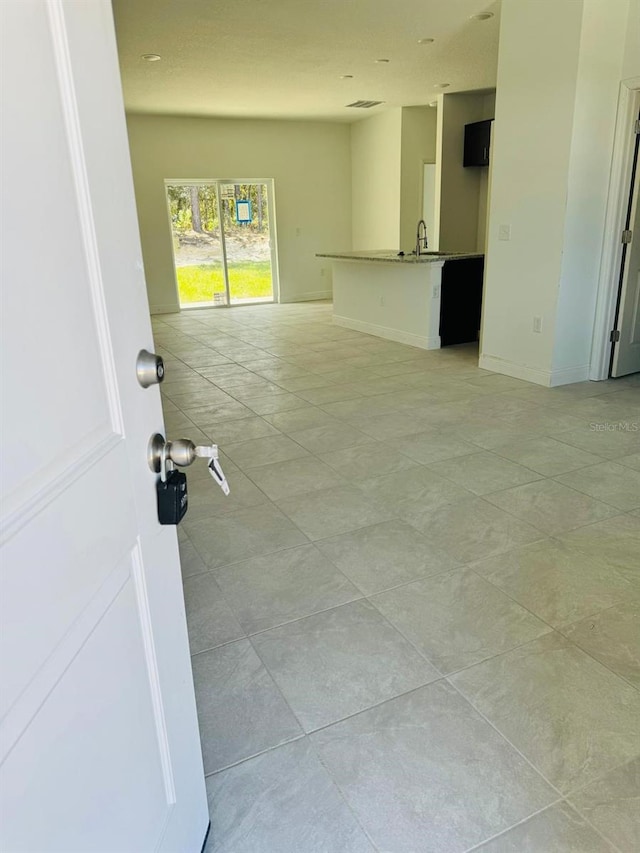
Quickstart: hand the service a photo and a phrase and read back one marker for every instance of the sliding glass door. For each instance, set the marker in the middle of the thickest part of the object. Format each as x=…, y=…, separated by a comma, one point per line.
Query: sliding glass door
x=223, y=241
x=245, y=220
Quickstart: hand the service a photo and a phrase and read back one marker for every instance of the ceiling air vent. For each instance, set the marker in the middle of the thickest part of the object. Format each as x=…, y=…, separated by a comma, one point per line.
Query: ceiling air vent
x=365, y=105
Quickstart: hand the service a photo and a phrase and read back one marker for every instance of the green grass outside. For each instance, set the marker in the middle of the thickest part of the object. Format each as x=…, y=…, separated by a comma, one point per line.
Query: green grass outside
x=247, y=280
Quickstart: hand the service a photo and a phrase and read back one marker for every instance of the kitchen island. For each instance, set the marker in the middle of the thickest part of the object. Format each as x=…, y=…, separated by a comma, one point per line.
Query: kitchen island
x=397, y=296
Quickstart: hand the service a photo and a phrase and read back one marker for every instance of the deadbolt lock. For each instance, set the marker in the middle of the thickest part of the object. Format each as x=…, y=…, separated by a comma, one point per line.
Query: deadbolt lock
x=149, y=368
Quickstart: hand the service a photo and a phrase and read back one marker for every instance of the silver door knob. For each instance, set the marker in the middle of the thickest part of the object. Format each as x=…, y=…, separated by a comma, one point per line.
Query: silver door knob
x=163, y=455
x=149, y=368
x=181, y=452
x=161, y=452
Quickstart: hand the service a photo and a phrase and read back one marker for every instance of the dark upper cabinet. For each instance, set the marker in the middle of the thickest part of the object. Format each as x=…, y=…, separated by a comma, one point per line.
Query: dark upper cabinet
x=477, y=142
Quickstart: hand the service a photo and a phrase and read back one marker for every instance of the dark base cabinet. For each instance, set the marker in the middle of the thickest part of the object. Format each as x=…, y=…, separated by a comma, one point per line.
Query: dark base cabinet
x=461, y=301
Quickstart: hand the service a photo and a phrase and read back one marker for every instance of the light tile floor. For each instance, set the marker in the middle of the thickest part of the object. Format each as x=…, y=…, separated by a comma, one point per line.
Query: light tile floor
x=414, y=622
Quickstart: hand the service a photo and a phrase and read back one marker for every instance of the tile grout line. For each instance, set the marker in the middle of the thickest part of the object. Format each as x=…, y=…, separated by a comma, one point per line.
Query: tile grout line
x=513, y=826
x=505, y=738
x=253, y=755
x=552, y=630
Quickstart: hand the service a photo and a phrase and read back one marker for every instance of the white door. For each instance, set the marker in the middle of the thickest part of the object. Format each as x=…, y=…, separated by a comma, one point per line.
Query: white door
x=626, y=352
x=99, y=744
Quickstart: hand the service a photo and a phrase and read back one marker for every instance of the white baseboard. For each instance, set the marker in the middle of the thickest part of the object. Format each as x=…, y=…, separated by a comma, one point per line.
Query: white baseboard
x=164, y=309
x=518, y=371
x=569, y=375
x=310, y=296
x=548, y=378
x=388, y=333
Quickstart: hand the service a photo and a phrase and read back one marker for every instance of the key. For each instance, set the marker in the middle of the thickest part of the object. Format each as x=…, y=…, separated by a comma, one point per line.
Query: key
x=210, y=452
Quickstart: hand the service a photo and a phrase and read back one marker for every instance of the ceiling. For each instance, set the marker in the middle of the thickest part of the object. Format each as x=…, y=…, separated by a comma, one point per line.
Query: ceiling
x=285, y=58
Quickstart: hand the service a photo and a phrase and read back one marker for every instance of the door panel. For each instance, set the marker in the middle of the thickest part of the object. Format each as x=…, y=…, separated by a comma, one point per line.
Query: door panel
x=82, y=548
x=198, y=250
x=248, y=242
x=125, y=785
x=99, y=747
x=41, y=234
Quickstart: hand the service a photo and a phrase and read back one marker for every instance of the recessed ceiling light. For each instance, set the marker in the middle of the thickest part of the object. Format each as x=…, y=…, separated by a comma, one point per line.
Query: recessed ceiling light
x=151, y=57
x=382, y=61
x=426, y=41
x=482, y=16
x=346, y=76
x=441, y=85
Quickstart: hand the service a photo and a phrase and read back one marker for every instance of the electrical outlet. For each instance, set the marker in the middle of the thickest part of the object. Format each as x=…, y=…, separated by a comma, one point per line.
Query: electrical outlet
x=322, y=272
x=504, y=232
x=298, y=232
x=436, y=291
x=537, y=324
x=382, y=301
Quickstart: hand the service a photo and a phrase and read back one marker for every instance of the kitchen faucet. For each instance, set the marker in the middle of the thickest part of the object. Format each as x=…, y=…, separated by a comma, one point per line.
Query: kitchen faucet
x=421, y=237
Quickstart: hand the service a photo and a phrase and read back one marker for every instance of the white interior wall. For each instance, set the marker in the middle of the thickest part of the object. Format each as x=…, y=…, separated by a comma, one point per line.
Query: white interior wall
x=551, y=164
x=530, y=156
x=631, y=61
x=488, y=112
x=459, y=188
x=376, y=152
x=311, y=165
x=429, y=201
x=418, y=147
x=483, y=210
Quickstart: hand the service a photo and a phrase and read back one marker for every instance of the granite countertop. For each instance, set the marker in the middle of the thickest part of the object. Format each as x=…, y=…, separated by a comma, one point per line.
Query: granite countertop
x=391, y=256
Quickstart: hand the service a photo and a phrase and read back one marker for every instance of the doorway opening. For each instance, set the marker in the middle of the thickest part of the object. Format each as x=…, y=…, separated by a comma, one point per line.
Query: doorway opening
x=223, y=236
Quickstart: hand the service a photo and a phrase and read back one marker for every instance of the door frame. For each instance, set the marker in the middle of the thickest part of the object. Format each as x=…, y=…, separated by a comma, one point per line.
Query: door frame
x=273, y=240
x=617, y=202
